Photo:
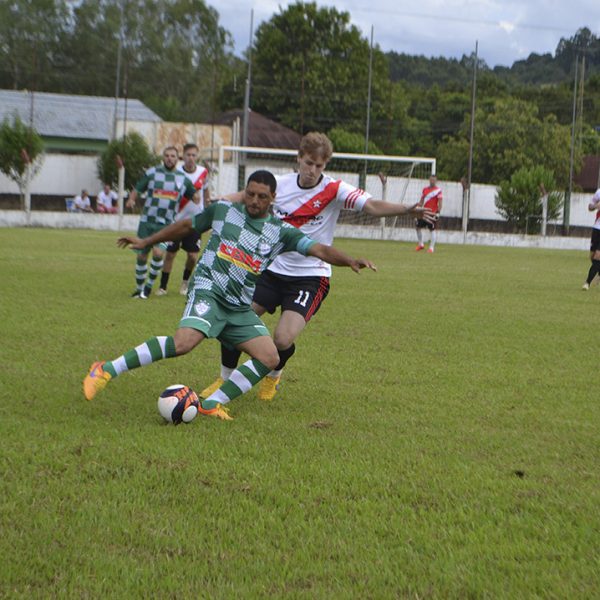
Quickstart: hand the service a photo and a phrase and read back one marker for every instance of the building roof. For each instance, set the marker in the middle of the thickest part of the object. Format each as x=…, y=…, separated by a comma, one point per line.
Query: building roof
x=588, y=179
x=262, y=132
x=70, y=116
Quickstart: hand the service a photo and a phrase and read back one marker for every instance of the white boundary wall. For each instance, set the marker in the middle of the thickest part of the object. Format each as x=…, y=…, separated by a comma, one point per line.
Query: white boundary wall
x=67, y=174
x=60, y=175
x=17, y=218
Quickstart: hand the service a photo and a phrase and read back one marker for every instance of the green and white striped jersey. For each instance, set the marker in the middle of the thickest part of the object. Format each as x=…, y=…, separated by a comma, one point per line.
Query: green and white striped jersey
x=240, y=249
x=164, y=190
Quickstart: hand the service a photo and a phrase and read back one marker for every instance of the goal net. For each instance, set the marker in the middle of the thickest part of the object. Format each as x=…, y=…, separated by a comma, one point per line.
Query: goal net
x=397, y=179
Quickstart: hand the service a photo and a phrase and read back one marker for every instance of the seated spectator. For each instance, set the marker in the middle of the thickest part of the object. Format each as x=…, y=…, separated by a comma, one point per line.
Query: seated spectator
x=83, y=203
x=106, y=200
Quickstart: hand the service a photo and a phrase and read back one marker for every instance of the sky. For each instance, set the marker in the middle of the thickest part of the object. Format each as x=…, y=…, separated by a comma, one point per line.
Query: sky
x=505, y=30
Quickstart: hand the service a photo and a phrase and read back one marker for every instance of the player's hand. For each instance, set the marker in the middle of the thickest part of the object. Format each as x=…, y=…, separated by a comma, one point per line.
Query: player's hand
x=362, y=263
x=135, y=243
x=424, y=213
x=130, y=203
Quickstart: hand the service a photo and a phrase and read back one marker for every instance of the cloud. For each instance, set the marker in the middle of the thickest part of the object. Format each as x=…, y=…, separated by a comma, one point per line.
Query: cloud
x=507, y=30
x=507, y=26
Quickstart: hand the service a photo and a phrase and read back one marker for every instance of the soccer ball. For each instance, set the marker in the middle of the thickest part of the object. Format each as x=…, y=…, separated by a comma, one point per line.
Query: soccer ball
x=178, y=404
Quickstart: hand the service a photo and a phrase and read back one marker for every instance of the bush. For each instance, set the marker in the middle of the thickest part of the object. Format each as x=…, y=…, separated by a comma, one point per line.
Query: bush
x=519, y=200
x=20, y=145
x=135, y=154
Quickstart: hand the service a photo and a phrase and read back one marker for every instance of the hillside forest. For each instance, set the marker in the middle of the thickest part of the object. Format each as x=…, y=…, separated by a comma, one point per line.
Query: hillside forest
x=310, y=70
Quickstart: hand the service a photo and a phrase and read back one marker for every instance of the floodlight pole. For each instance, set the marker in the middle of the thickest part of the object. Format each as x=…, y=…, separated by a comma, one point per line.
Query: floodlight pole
x=368, y=125
x=248, y=82
x=467, y=195
x=567, y=208
x=118, y=77
x=246, y=116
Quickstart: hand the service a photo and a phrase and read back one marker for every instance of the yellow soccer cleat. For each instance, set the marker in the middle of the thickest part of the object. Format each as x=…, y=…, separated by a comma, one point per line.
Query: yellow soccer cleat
x=212, y=388
x=218, y=411
x=268, y=388
x=95, y=381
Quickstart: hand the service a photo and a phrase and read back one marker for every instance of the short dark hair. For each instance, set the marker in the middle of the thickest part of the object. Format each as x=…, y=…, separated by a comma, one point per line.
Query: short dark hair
x=264, y=177
x=188, y=146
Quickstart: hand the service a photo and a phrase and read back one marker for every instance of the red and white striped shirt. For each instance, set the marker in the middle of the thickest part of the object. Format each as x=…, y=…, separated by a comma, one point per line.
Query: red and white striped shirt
x=595, y=198
x=188, y=208
x=315, y=212
x=431, y=197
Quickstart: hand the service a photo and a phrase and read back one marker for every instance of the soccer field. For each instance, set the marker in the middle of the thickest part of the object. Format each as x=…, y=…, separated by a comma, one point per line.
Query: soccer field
x=436, y=435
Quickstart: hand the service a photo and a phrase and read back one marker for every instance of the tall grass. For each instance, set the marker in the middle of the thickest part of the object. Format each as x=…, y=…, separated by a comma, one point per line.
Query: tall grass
x=436, y=435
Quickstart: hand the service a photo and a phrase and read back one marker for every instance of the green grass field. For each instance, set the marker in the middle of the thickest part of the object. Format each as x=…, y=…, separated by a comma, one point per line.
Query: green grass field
x=437, y=435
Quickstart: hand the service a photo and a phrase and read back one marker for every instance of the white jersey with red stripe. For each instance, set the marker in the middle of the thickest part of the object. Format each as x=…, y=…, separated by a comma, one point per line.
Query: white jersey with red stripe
x=315, y=212
x=595, y=198
x=198, y=178
x=431, y=196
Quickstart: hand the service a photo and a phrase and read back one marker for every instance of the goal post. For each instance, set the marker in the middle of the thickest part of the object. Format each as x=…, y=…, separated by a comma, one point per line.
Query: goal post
x=396, y=179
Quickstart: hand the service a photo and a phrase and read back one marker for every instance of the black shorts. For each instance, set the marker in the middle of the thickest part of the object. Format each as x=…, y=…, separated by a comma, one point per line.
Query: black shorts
x=190, y=243
x=595, y=243
x=420, y=223
x=303, y=295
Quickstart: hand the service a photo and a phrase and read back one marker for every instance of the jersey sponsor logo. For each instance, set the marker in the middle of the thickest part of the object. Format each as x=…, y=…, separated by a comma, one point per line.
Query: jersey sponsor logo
x=201, y=308
x=264, y=248
x=310, y=209
x=239, y=258
x=165, y=194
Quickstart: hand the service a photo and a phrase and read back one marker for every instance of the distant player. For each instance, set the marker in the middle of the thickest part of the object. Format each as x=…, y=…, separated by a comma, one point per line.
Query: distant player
x=198, y=175
x=311, y=201
x=245, y=239
x=165, y=186
x=431, y=199
x=594, y=205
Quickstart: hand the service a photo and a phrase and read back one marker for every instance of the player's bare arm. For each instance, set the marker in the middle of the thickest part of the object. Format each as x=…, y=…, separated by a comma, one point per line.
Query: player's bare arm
x=234, y=197
x=132, y=198
x=594, y=205
x=380, y=208
x=173, y=232
x=336, y=257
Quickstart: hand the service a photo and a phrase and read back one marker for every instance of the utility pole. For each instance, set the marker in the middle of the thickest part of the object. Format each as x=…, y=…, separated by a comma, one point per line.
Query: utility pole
x=368, y=125
x=118, y=77
x=467, y=191
x=248, y=82
x=567, y=208
x=242, y=163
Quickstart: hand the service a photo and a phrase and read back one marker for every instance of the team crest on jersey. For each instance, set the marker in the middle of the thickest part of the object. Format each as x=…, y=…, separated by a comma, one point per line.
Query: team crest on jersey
x=264, y=248
x=201, y=308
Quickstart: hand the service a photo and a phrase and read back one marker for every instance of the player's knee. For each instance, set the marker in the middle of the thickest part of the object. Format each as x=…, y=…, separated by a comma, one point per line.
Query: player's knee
x=185, y=342
x=270, y=358
x=283, y=339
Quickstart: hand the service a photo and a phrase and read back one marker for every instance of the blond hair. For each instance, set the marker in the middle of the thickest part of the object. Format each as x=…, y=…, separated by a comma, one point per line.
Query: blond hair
x=315, y=143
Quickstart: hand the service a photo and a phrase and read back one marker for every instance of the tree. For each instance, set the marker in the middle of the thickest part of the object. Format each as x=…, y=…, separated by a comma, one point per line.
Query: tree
x=508, y=135
x=135, y=154
x=519, y=200
x=20, y=154
x=311, y=69
x=31, y=32
x=174, y=56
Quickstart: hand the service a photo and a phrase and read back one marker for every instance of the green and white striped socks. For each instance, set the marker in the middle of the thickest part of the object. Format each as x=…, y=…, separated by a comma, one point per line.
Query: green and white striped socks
x=152, y=350
x=156, y=264
x=140, y=273
x=240, y=381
